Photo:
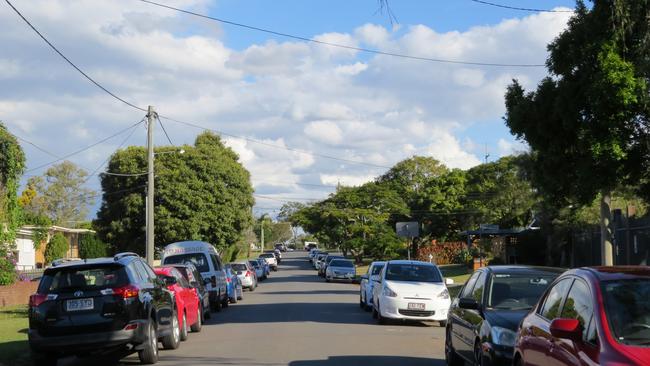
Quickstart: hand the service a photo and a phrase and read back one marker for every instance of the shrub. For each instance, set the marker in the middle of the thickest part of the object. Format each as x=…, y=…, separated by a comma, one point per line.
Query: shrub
x=56, y=248
x=7, y=271
x=90, y=246
x=445, y=253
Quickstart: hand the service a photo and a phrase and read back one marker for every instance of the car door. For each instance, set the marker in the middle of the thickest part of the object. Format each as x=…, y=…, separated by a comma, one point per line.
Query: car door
x=471, y=318
x=221, y=275
x=577, y=305
x=456, y=318
x=377, y=287
x=190, y=299
x=535, y=342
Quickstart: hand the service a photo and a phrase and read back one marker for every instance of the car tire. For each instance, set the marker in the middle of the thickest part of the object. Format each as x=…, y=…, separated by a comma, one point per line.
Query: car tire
x=173, y=339
x=41, y=358
x=226, y=301
x=442, y=323
x=184, y=327
x=208, y=314
x=233, y=300
x=149, y=354
x=196, y=327
x=362, y=304
x=327, y=279
x=452, y=358
x=240, y=293
x=252, y=288
x=479, y=359
x=374, y=313
x=381, y=319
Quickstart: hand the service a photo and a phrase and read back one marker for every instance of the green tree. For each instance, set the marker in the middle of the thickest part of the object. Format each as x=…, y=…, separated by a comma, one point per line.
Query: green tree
x=587, y=124
x=90, y=246
x=203, y=194
x=57, y=248
x=60, y=194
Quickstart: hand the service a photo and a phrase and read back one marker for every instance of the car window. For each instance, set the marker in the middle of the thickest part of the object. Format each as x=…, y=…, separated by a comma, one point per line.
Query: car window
x=517, y=291
x=83, y=278
x=376, y=269
x=341, y=263
x=467, y=290
x=551, y=308
x=239, y=267
x=592, y=333
x=150, y=272
x=477, y=291
x=197, y=259
x=215, y=262
x=578, y=305
x=628, y=309
x=143, y=271
x=135, y=274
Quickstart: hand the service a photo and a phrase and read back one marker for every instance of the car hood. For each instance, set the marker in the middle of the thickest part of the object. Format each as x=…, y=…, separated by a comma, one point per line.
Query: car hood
x=416, y=289
x=508, y=319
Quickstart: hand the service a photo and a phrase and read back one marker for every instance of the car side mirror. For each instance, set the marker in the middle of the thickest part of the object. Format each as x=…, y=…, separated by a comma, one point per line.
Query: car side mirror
x=468, y=303
x=449, y=281
x=566, y=329
x=169, y=280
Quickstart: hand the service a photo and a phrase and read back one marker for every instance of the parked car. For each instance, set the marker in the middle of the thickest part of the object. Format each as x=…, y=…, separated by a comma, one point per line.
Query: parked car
x=271, y=260
x=258, y=268
x=91, y=306
x=246, y=274
x=188, y=304
x=235, y=288
x=341, y=269
x=281, y=247
x=265, y=265
x=312, y=254
x=278, y=255
x=410, y=290
x=325, y=262
x=482, y=321
x=193, y=276
x=309, y=245
x=318, y=259
x=366, y=284
x=205, y=258
x=589, y=316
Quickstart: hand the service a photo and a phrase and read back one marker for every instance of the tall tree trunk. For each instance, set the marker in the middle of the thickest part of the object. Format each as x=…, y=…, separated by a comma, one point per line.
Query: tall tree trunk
x=606, y=224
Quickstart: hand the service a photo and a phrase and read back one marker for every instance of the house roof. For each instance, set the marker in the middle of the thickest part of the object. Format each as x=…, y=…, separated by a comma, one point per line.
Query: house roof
x=29, y=229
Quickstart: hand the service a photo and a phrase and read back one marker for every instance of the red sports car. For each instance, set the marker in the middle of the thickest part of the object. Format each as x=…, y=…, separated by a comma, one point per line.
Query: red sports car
x=589, y=316
x=188, y=304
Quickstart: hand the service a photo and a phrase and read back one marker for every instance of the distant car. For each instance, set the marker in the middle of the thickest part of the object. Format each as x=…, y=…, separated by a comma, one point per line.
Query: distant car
x=309, y=245
x=341, y=269
x=483, y=320
x=410, y=290
x=68, y=313
x=271, y=260
x=325, y=262
x=278, y=255
x=188, y=304
x=281, y=247
x=246, y=274
x=312, y=254
x=318, y=259
x=235, y=288
x=193, y=275
x=366, y=284
x=259, y=269
x=265, y=265
x=589, y=316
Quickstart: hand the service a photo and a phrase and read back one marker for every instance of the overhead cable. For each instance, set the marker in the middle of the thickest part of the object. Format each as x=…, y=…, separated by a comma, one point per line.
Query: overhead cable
x=521, y=9
x=338, y=45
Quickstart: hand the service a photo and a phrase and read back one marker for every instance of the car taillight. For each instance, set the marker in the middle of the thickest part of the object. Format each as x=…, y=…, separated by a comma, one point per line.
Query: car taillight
x=248, y=273
x=213, y=280
x=228, y=279
x=126, y=292
x=37, y=299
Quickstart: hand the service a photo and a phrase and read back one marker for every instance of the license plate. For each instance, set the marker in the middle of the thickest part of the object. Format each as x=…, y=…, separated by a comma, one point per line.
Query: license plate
x=79, y=304
x=415, y=306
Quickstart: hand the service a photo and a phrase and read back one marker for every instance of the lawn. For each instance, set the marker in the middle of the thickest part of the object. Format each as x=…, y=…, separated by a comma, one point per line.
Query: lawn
x=13, y=336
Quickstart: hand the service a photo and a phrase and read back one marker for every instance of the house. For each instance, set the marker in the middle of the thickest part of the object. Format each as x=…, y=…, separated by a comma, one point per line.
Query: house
x=31, y=258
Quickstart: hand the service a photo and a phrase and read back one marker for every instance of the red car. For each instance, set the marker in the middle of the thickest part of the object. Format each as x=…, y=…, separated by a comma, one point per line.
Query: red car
x=589, y=316
x=188, y=304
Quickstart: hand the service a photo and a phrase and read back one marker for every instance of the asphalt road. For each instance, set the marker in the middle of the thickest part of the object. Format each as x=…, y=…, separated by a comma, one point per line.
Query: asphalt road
x=295, y=318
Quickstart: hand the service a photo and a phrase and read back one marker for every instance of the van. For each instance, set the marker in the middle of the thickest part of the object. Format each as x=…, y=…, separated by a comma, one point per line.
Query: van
x=206, y=259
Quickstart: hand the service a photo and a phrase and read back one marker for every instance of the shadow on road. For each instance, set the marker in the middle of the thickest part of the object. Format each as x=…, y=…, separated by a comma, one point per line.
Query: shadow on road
x=370, y=360
x=315, y=292
x=317, y=312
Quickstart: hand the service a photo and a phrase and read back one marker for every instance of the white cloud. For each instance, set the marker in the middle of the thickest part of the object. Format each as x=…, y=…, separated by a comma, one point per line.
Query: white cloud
x=325, y=131
x=510, y=147
x=345, y=179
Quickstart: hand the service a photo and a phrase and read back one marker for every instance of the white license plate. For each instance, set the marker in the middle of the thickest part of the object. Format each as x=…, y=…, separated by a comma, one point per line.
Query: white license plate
x=79, y=304
x=415, y=306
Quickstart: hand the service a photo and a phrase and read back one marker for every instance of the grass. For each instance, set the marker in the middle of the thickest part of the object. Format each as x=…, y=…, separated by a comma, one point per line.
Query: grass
x=13, y=335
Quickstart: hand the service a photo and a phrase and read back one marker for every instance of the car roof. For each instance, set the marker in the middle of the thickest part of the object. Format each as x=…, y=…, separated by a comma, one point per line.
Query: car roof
x=616, y=272
x=521, y=269
x=120, y=258
x=405, y=261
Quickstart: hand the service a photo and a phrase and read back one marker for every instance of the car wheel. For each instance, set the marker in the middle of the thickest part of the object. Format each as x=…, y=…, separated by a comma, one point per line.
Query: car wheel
x=381, y=319
x=196, y=327
x=40, y=358
x=327, y=279
x=233, y=299
x=442, y=323
x=478, y=354
x=374, y=313
x=172, y=340
x=215, y=306
x=362, y=304
x=252, y=288
x=184, y=327
x=208, y=314
x=149, y=354
x=225, y=302
x=451, y=356
x=240, y=293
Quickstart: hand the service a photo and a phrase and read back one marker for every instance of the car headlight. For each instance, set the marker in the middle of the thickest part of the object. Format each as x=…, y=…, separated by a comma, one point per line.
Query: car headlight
x=388, y=292
x=444, y=294
x=503, y=336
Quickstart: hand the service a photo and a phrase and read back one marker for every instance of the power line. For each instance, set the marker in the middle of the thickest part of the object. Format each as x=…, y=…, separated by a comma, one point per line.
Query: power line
x=71, y=63
x=360, y=49
x=164, y=130
x=521, y=9
x=119, y=147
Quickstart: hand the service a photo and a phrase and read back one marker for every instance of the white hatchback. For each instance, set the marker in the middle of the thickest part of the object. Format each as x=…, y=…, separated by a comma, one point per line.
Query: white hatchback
x=410, y=290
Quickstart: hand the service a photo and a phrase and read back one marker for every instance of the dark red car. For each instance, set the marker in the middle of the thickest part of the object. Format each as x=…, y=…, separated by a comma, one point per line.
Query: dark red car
x=589, y=316
x=188, y=304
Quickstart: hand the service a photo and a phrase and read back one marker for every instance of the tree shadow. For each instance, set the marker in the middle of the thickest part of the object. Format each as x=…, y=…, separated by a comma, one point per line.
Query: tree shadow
x=365, y=360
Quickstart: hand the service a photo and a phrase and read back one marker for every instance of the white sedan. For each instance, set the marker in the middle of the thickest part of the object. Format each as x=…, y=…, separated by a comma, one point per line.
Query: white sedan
x=366, y=285
x=410, y=290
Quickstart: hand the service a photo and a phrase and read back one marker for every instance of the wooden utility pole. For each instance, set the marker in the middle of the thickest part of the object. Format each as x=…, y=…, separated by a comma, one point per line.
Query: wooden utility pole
x=151, y=118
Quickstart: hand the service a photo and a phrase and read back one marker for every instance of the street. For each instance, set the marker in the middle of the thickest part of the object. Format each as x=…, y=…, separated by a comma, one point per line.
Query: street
x=295, y=318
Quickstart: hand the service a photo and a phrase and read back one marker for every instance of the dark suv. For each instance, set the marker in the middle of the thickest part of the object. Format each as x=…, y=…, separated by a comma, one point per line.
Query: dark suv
x=98, y=306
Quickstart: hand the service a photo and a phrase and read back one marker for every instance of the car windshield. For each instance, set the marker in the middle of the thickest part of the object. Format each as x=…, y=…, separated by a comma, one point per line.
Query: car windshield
x=376, y=269
x=517, y=291
x=199, y=260
x=239, y=267
x=412, y=273
x=628, y=310
x=341, y=263
x=82, y=278
x=331, y=258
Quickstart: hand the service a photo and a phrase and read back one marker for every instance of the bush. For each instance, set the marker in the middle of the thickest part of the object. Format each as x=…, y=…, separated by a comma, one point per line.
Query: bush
x=7, y=271
x=90, y=246
x=445, y=253
x=56, y=248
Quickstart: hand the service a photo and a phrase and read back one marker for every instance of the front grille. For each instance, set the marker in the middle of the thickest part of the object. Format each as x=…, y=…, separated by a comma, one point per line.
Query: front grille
x=422, y=313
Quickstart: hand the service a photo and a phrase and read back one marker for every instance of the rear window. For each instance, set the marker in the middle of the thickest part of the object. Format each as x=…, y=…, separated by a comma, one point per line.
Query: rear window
x=341, y=263
x=199, y=260
x=267, y=255
x=65, y=279
x=239, y=266
x=254, y=264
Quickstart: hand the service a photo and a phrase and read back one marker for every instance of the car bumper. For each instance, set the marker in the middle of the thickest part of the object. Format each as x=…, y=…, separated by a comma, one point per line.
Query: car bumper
x=397, y=308
x=246, y=281
x=78, y=343
x=498, y=355
x=340, y=276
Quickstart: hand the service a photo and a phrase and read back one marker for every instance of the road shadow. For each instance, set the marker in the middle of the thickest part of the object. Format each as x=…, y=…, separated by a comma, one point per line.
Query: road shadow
x=315, y=292
x=367, y=360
